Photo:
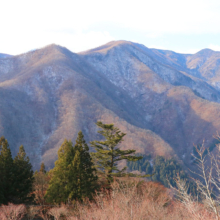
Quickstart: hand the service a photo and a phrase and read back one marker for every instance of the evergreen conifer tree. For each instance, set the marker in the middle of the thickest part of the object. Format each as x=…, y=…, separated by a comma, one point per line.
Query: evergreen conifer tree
x=42, y=168
x=40, y=185
x=61, y=183
x=84, y=168
x=73, y=176
x=7, y=172
x=23, y=176
x=2, y=181
x=107, y=152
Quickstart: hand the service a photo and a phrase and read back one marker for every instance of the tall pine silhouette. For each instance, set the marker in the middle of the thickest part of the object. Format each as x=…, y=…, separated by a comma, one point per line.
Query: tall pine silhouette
x=42, y=168
x=40, y=185
x=16, y=175
x=7, y=173
x=85, y=171
x=108, y=154
x=73, y=177
x=23, y=176
x=2, y=178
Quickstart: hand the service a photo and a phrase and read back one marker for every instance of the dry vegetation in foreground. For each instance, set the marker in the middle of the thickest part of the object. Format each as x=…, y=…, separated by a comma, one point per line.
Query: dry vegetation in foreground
x=129, y=199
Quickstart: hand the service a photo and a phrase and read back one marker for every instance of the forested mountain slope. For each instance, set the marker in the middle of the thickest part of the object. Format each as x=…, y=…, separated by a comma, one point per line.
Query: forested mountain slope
x=164, y=101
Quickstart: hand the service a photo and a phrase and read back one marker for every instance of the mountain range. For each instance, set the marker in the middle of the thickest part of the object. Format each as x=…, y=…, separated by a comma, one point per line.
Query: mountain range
x=164, y=101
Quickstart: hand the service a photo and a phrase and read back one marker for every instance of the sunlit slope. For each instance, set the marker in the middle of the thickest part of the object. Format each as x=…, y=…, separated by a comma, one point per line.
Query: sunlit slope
x=160, y=99
x=50, y=94
x=172, y=101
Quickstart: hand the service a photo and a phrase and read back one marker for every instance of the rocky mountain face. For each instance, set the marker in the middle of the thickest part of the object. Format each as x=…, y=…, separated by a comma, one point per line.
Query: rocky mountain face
x=165, y=102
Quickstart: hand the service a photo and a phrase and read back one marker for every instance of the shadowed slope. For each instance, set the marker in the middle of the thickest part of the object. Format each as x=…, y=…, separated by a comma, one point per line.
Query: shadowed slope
x=167, y=98
x=154, y=96
x=55, y=93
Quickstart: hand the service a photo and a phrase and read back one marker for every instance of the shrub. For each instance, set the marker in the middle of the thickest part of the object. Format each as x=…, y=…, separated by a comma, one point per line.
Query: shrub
x=12, y=212
x=131, y=200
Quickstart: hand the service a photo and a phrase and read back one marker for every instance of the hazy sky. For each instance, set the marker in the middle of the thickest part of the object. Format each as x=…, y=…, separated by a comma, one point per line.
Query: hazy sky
x=183, y=26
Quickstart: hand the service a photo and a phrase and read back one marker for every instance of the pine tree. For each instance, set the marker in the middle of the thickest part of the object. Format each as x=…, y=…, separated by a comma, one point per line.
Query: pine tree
x=2, y=180
x=73, y=176
x=23, y=176
x=84, y=167
x=7, y=172
x=60, y=184
x=108, y=154
x=42, y=168
x=40, y=185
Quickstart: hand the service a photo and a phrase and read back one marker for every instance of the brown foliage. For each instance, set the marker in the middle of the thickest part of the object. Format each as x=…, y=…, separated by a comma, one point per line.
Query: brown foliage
x=132, y=200
x=59, y=212
x=12, y=212
x=41, y=181
x=128, y=199
x=32, y=212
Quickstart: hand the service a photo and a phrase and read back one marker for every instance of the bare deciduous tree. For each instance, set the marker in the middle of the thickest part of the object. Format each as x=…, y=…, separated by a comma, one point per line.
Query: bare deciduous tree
x=12, y=212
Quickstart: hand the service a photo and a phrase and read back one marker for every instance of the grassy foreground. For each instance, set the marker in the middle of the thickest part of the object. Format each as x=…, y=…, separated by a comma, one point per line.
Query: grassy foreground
x=128, y=199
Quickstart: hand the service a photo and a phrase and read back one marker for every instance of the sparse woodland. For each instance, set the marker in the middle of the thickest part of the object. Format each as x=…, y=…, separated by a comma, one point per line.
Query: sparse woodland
x=84, y=185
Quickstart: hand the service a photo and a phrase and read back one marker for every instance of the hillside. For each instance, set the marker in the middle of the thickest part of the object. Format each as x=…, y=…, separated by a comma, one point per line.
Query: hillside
x=3, y=55
x=164, y=101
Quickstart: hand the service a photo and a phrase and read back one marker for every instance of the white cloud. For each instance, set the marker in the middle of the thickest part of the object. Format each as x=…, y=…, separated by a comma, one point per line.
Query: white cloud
x=177, y=50
x=75, y=42
x=214, y=47
x=189, y=51
x=26, y=24
x=84, y=41
x=157, y=47
x=153, y=35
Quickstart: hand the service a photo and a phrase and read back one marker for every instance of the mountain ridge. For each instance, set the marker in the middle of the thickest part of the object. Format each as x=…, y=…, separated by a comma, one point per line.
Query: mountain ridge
x=3, y=55
x=152, y=95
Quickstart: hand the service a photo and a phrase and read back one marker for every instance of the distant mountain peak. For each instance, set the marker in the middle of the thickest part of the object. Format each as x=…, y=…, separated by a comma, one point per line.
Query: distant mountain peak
x=56, y=46
x=3, y=55
x=206, y=51
x=51, y=48
x=52, y=51
x=104, y=48
x=163, y=100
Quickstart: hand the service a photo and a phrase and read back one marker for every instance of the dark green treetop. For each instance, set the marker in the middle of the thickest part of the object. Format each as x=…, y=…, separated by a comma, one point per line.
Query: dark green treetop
x=61, y=183
x=7, y=172
x=2, y=177
x=108, y=154
x=84, y=168
x=23, y=176
x=16, y=175
x=73, y=177
x=163, y=170
x=42, y=168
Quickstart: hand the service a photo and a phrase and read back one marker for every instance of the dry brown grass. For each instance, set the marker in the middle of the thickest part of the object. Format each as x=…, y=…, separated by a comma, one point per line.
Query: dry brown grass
x=12, y=212
x=59, y=212
x=129, y=199
x=135, y=200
